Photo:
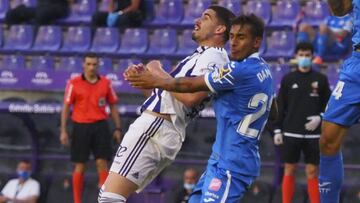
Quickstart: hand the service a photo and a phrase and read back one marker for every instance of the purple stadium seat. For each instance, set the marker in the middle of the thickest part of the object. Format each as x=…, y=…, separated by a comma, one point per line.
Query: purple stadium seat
x=259, y=8
x=1, y=36
x=232, y=5
x=186, y=44
x=278, y=71
x=280, y=44
x=285, y=13
x=105, y=65
x=81, y=12
x=194, y=10
x=70, y=64
x=167, y=65
x=12, y=62
x=30, y=3
x=134, y=41
x=20, y=37
x=42, y=63
x=4, y=7
x=168, y=12
x=316, y=12
x=48, y=39
x=106, y=40
x=77, y=39
x=163, y=42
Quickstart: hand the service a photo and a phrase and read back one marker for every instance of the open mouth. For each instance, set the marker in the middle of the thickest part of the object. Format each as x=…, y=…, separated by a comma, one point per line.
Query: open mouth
x=196, y=27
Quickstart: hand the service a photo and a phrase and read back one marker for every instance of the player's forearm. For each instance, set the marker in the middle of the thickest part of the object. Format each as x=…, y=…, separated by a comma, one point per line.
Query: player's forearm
x=184, y=84
x=64, y=117
x=340, y=7
x=115, y=116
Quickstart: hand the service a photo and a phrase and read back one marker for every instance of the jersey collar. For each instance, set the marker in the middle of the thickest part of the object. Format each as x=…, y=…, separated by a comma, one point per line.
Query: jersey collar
x=255, y=55
x=83, y=77
x=201, y=49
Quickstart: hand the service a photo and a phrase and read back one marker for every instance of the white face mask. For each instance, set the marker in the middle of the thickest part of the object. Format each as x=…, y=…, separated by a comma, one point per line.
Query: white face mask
x=189, y=186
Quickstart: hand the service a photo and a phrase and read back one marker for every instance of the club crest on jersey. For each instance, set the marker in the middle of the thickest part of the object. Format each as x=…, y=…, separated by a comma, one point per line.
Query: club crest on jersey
x=215, y=184
x=220, y=73
x=102, y=101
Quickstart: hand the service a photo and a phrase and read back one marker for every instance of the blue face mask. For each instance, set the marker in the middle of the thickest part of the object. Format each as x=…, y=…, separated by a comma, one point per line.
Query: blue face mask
x=304, y=62
x=23, y=175
x=189, y=186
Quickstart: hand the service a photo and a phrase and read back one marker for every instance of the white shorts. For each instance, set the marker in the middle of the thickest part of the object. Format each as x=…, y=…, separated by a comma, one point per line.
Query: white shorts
x=150, y=144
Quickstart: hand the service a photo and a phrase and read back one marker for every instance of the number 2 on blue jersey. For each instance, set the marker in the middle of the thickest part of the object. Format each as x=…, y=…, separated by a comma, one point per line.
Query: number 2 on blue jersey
x=244, y=125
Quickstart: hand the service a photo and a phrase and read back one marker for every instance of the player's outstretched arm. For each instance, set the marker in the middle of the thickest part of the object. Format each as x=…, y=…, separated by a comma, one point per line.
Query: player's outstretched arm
x=340, y=7
x=148, y=80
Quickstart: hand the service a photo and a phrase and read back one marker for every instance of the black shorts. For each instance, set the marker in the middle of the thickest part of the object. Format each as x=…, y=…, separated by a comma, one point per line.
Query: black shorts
x=91, y=137
x=293, y=147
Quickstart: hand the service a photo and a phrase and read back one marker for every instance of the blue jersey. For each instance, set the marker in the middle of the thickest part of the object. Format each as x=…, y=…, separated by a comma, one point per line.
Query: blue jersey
x=356, y=21
x=243, y=96
x=339, y=24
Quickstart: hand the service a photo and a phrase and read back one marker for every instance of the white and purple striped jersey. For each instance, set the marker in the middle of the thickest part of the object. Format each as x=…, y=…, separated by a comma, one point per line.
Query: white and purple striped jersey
x=200, y=62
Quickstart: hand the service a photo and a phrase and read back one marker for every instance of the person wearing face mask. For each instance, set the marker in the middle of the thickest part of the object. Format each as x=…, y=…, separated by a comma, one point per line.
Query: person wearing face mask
x=190, y=178
x=22, y=189
x=302, y=98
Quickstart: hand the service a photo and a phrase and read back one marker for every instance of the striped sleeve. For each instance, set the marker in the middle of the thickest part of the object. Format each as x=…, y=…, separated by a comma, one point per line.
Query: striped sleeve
x=210, y=60
x=111, y=94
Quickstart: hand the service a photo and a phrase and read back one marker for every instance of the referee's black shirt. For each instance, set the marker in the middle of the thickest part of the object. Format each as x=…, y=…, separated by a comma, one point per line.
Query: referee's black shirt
x=301, y=95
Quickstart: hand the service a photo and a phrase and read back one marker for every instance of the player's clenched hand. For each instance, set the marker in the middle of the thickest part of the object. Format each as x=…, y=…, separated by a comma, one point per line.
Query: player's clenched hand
x=133, y=70
x=143, y=80
x=155, y=67
x=64, y=138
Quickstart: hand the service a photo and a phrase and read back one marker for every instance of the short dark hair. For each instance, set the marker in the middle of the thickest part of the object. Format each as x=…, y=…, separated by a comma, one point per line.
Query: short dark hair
x=256, y=24
x=305, y=46
x=225, y=17
x=91, y=55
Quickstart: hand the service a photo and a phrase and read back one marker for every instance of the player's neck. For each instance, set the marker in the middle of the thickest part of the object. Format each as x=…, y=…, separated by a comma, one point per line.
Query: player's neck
x=91, y=78
x=211, y=43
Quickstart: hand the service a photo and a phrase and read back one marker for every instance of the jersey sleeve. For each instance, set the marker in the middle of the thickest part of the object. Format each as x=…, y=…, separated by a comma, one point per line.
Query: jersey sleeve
x=225, y=78
x=211, y=59
x=282, y=104
x=69, y=96
x=111, y=95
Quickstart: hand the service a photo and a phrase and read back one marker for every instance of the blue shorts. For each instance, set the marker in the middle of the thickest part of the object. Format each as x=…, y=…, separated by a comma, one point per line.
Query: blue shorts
x=344, y=104
x=220, y=186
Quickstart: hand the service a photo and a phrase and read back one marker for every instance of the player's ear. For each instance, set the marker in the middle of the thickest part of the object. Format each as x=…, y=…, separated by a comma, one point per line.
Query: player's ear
x=257, y=43
x=220, y=29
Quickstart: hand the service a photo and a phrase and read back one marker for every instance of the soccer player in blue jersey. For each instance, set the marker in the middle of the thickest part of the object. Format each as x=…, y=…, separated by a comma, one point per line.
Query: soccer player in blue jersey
x=243, y=95
x=343, y=109
x=333, y=38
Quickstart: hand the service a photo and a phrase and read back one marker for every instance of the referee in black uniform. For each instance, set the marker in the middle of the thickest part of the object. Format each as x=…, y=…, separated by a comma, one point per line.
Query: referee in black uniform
x=302, y=98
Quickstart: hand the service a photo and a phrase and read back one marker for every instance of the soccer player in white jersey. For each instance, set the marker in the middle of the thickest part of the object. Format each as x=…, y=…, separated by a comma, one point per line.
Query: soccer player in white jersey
x=154, y=139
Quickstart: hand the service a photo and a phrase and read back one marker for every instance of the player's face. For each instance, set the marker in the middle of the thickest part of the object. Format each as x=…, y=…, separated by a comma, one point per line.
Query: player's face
x=90, y=66
x=242, y=43
x=205, y=26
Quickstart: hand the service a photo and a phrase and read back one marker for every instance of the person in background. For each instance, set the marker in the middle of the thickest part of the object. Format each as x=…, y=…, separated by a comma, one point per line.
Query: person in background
x=22, y=189
x=333, y=38
x=89, y=94
x=302, y=98
x=44, y=13
x=121, y=14
x=190, y=179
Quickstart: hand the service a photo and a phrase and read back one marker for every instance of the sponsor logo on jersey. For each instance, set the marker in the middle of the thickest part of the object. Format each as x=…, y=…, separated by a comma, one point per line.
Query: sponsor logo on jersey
x=215, y=184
